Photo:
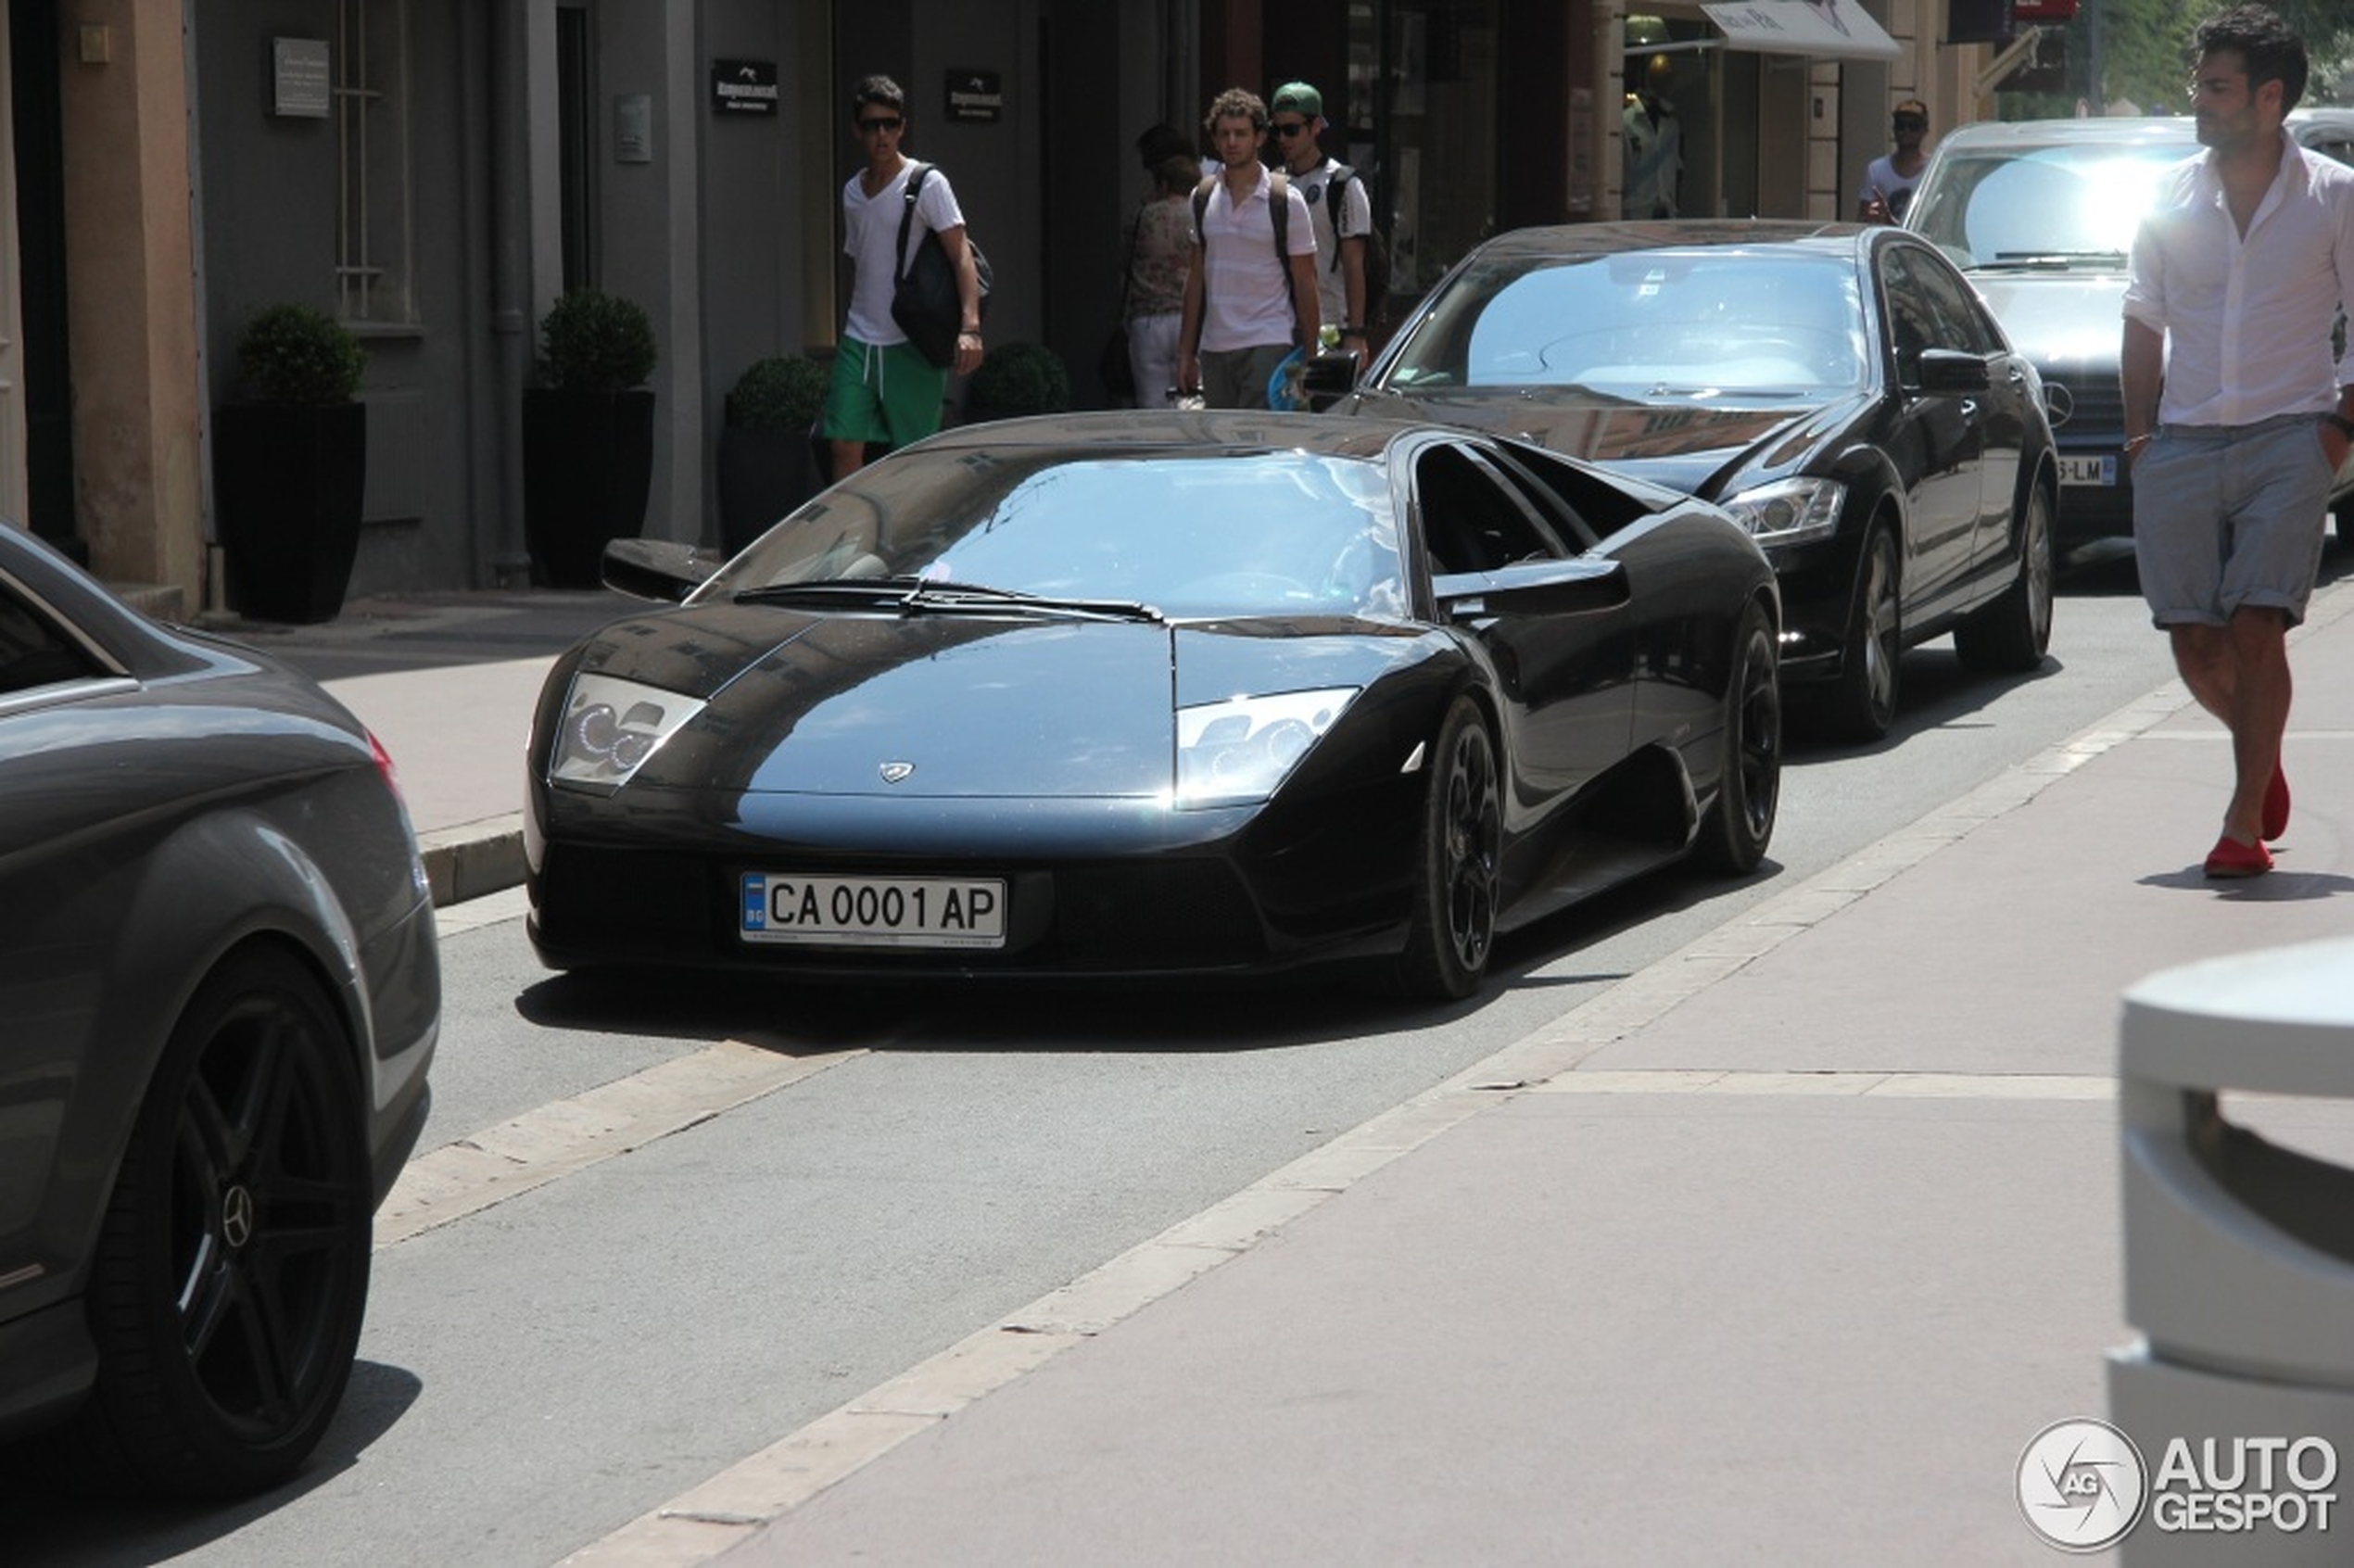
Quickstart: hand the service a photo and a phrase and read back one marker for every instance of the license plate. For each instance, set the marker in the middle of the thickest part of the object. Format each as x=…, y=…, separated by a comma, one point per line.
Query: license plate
x=874, y=911
x=2089, y=470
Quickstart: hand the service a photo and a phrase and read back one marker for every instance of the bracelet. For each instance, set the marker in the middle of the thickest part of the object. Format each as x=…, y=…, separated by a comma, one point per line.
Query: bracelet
x=969, y=332
x=2136, y=443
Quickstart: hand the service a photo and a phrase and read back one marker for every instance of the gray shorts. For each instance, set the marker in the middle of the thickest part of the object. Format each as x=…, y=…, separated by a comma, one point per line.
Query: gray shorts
x=1237, y=378
x=2226, y=515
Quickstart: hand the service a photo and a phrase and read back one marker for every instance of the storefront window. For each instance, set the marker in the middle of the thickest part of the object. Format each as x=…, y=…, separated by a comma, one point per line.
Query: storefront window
x=1424, y=122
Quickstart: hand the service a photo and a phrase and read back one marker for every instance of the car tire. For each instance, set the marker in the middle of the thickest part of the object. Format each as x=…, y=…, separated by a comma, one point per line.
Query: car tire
x=2013, y=632
x=230, y=1275
x=1861, y=702
x=1734, y=835
x=1457, y=861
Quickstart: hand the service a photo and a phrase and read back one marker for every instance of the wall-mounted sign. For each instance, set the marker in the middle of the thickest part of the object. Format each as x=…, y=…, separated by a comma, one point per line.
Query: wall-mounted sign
x=298, y=78
x=633, y=128
x=743, y=86
x=976, y=97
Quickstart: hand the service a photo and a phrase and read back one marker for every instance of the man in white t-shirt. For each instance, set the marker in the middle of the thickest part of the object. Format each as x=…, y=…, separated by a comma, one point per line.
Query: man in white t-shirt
x=1244, y=308
x=1889, y=182
x=884, y=390
x=1297, y=116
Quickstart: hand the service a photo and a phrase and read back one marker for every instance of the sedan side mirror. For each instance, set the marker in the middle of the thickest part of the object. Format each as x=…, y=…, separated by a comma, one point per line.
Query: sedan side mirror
x=1952, y=370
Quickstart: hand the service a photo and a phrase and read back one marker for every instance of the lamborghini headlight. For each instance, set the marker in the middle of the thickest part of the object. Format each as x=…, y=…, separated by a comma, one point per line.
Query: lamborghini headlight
x=609, y=727
x=1236, y=752
x=1790, y=511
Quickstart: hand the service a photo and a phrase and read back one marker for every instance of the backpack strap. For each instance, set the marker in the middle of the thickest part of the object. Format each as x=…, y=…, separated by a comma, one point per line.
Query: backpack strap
x=907, y=214
x=1334, y=188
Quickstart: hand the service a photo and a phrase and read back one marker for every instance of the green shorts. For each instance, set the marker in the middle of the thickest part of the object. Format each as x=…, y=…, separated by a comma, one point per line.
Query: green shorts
x=889, y=395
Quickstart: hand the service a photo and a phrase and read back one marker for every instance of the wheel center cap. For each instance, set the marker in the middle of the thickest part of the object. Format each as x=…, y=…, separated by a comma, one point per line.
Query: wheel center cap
x=236, y=1217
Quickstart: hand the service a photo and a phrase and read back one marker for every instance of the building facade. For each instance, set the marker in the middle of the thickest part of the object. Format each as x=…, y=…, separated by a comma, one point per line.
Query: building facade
x=437, y=172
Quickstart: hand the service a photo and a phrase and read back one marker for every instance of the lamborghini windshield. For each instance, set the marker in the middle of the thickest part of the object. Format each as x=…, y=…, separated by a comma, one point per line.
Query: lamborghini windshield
x=1091, y=532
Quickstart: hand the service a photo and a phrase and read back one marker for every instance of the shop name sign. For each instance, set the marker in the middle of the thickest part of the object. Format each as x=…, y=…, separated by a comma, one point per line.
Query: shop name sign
x=743, y=86
x=976, y=96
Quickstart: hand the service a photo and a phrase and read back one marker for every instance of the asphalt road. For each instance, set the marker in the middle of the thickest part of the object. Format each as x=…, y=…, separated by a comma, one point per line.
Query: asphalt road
x=540, y=1371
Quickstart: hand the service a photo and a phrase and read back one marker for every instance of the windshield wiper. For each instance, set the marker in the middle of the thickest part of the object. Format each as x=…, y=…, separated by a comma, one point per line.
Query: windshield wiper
x=2059, y=260
x=922, y=595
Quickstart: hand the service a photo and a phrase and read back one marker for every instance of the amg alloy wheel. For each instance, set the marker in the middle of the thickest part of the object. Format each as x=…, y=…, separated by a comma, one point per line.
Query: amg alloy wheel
x=1863, y=703
x=230, y=1279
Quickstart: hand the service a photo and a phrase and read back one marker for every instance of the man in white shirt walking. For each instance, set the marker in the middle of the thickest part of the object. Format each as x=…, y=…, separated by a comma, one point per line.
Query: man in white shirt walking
x=1297, y=118
x=2236, y=419
x=1245, y=306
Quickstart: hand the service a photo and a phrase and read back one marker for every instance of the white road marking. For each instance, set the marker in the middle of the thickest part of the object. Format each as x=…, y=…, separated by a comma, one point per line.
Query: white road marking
x=573, y=1133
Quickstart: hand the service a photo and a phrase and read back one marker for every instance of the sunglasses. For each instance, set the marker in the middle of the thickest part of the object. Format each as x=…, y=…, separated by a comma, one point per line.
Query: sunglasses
x=1291, y=128
x=1910, y=122
x=881, y=122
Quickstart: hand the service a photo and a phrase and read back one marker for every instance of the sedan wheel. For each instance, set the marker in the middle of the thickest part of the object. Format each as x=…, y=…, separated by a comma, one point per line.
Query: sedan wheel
x=1734, y=836
x=2013, y=632
x=1453, y=925
x=232, y=1274
x=1863, y=705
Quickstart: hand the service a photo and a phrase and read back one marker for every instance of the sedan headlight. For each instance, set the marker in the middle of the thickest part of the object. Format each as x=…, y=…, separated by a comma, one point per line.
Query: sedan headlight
x=1236, y=752
x=1790, y=511
x=610, y=727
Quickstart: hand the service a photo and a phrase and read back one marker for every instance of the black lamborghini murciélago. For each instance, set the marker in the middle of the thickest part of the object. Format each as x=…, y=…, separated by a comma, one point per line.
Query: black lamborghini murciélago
x=1145, y=693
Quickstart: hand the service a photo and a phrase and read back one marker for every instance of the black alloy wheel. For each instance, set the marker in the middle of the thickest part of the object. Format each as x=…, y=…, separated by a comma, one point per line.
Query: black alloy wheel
x=1453, y=926
x=232, y=1274
x=1733, y=838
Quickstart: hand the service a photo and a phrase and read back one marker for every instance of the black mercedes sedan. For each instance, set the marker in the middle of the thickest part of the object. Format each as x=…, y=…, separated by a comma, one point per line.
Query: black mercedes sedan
x=219, y=996
x=1138, y=694
x=1839, y=389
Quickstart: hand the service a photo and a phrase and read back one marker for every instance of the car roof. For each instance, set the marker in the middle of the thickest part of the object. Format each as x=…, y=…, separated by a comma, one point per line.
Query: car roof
x=2153, y=129
x=1611, y=240
x=1229, y=432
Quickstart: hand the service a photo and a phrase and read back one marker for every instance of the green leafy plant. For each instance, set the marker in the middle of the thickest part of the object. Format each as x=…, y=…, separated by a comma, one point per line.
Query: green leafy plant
x=1019, y=378
x=591, y=341
x=296, y=354
x=781, y=392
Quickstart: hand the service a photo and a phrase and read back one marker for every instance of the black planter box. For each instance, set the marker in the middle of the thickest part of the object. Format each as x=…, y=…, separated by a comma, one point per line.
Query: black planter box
x=287, y=485
x=762, y=475
x=587, y=467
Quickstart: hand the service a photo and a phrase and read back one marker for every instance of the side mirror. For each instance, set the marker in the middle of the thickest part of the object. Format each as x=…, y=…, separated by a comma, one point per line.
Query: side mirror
x=1328, y=378
x=1952, y=369
x=662, y=570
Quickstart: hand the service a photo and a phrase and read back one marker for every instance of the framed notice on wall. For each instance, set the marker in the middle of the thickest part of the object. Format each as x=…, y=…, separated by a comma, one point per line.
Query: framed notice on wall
x=298, y=78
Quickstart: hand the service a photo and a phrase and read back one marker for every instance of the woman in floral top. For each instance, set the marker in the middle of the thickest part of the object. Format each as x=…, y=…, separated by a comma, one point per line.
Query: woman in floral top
x=1162, y=228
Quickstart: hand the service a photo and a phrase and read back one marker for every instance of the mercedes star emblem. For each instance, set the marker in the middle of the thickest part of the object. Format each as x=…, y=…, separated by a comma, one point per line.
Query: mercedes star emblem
x=236, y=1217
x=2058, y=402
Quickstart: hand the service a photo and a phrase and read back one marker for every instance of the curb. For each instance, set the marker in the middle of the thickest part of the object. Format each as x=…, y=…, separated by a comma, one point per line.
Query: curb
x=472, y=859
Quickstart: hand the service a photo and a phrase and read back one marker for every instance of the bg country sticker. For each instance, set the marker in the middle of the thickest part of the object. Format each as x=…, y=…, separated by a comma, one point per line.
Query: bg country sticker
x=2084, y=1486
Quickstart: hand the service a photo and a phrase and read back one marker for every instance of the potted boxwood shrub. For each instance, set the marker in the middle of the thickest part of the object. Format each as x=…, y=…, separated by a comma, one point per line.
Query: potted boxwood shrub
x=290, y=466
x=588, y=434
x=1015, y=379
x=765, y=464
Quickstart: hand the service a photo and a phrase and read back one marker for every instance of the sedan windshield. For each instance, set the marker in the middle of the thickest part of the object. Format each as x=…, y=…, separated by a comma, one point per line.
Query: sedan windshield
x=1192, y=536
x=1694, y=324
x=2071, y=205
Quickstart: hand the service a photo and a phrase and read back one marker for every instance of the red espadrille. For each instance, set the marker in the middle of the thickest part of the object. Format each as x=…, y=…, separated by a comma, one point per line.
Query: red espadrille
x=2232, y=858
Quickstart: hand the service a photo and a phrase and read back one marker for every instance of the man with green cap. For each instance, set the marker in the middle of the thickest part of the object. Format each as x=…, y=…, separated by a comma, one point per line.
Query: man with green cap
x=1297, y=119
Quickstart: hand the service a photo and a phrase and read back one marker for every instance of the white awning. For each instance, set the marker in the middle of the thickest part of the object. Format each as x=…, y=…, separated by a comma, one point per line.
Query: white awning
x=1830, y=29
